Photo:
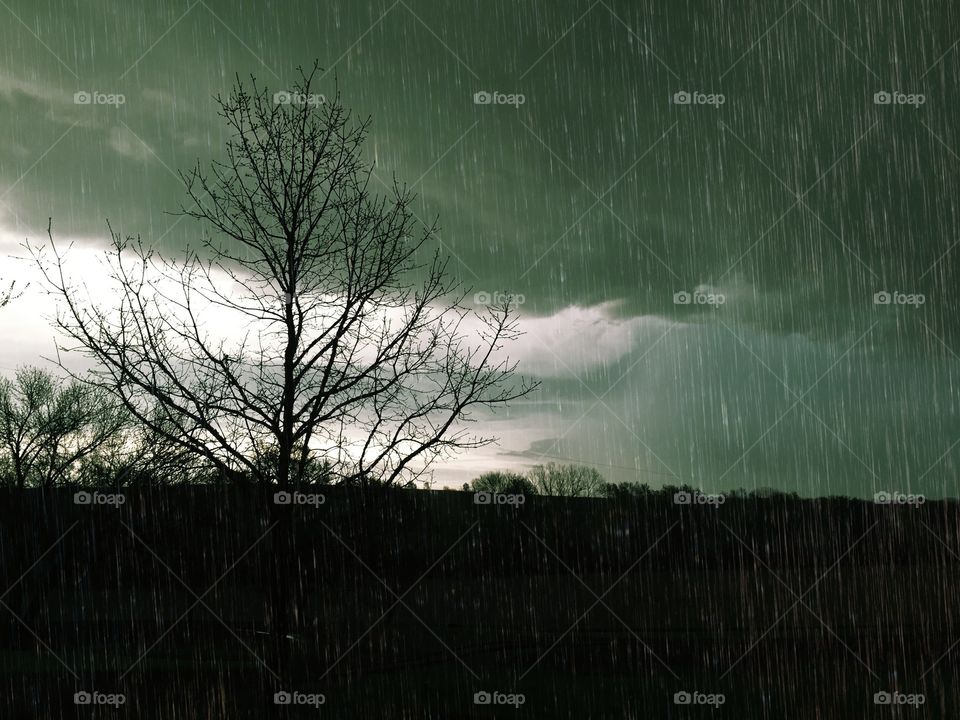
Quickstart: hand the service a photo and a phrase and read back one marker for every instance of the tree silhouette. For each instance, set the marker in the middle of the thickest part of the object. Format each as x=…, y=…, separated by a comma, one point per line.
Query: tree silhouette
x=567, y=480
x=503, y=482
x=630, y=489
x=48, y=427
x=357, y=346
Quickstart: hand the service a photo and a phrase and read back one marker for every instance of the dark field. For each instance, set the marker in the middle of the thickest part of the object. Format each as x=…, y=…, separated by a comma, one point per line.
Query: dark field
x=404, y=604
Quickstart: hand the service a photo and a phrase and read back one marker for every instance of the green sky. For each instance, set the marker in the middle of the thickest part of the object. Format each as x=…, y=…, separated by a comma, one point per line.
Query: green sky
x=599, y=198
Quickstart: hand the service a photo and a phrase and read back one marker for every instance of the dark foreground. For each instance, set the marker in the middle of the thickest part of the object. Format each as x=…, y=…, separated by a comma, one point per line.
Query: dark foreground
x=409, y=604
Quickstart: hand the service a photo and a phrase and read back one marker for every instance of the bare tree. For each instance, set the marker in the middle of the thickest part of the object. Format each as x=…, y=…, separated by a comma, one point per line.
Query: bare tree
x=499, y=481
x=48, y=426
x=357, y=346
x=567, y=480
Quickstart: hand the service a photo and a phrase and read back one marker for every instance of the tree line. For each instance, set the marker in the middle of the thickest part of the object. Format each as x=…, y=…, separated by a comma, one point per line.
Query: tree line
x=573, y=480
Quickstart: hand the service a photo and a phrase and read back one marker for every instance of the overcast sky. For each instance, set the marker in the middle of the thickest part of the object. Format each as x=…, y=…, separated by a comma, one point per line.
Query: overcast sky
x=737, y=152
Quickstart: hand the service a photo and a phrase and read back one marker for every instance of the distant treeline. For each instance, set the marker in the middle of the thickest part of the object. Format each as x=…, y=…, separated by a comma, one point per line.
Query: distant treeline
x=557, y=480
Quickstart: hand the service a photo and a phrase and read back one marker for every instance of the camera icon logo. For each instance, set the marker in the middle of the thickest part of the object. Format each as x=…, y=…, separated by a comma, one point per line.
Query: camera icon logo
x=281, y=498
x=682, y=298
x=482, y=698
x=82, y=98
x=481, y=298
x=482, y=498
x=281, y=98
x=482, y=98
x=882, y=698
x=681, y=97
x=881, y=298
x=682, y=698
x=82, y=698
x=82, y=498
x=282, y=698
x=682, y=498
x=882, y=98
